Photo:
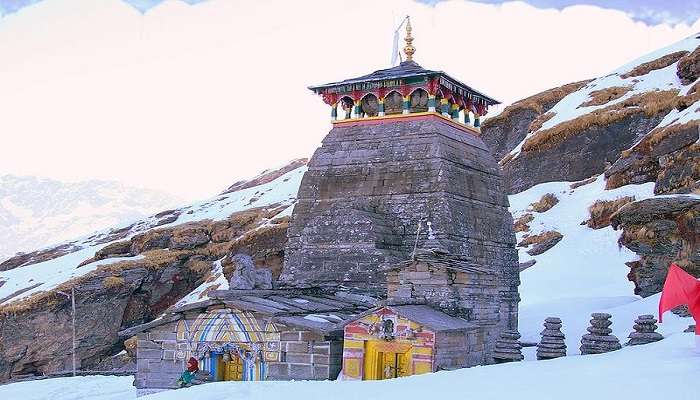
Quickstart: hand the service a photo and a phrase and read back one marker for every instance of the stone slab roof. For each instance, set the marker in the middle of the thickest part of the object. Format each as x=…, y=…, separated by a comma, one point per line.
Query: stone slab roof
x=422, y=314
x=432, y=318
x=309, y=310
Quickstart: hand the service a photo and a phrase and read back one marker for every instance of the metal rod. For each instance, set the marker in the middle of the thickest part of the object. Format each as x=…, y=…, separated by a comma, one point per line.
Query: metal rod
x=415, y=245
x=72, y=297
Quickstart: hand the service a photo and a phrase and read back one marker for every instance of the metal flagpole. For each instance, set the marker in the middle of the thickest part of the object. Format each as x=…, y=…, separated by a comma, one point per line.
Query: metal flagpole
x=72, y=300
x=72, y=297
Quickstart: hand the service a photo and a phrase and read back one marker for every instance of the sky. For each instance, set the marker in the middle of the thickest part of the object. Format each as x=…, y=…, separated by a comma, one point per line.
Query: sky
x=190, y=96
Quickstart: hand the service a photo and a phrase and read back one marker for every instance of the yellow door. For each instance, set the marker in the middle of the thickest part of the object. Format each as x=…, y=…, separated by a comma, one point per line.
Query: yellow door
x=386, y=360
x=230, y=370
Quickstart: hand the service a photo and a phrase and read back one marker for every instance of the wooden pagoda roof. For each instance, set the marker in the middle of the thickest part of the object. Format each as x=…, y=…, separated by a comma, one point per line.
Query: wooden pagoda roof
x=408, y=69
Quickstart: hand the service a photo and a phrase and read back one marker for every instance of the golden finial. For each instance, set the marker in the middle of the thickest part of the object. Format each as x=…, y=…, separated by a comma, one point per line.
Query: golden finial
x=409, y=49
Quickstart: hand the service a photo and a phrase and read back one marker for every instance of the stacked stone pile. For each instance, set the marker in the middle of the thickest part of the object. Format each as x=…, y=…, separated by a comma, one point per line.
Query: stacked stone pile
x=599, y=339
x=508, y=347
x=644, y=331
x=552, y=344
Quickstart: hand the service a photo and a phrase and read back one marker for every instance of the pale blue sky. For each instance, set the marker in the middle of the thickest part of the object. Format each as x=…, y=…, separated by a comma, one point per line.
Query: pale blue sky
x=649, y=11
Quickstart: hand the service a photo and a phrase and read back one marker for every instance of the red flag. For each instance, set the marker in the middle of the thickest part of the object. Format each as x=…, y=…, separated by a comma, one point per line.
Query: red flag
x=681, y=288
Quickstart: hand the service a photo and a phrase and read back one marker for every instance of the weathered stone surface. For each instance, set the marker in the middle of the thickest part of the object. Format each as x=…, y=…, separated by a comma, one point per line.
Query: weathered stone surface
x=688, y=69
x=661, y=231
x=552, y=344
x=246, y=276
x=579, y=156
x=644, y=331
x=504, y=131
x=369, y=185
x=596, y=343
x=508, y=347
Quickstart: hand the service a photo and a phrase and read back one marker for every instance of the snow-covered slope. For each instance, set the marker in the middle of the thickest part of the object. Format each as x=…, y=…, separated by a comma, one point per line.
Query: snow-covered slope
x=21, y=282
x=632, y=79
x=37, y=212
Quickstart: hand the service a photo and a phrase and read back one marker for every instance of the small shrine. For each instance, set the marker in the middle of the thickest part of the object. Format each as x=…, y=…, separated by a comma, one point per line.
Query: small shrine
x=442, y=313
x=247, y=335
x=404, y=90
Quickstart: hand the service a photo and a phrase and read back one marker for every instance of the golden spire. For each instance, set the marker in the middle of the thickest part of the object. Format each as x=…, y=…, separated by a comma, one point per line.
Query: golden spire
x=409, y=49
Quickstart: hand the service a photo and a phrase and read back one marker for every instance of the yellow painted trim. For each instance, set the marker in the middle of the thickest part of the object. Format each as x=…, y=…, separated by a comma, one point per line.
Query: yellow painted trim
x=464, y=127
x=443, y=101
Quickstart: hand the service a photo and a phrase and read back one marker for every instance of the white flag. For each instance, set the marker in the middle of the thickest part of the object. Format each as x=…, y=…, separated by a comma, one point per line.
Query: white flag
x=395, y=49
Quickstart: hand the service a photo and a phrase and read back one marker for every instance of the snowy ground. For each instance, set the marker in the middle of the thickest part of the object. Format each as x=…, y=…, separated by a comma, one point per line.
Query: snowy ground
x=583, y=273
x=667, y=369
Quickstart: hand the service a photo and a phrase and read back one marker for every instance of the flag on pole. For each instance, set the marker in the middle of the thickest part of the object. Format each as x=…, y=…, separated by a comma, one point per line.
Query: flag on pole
x=681, y=288
x=395, y=49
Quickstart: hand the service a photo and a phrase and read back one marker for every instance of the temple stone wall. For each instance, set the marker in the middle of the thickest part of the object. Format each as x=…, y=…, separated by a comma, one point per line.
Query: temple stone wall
x=369, y=185
x=307, y=355
x=156, y=363
x=304, y=355
x=461, y=349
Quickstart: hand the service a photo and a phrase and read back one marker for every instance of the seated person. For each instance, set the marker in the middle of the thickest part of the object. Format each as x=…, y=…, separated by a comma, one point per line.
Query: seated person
x=189, y=374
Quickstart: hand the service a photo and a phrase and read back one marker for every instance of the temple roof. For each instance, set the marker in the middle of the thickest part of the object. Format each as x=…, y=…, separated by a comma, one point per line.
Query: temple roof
x=407, y=69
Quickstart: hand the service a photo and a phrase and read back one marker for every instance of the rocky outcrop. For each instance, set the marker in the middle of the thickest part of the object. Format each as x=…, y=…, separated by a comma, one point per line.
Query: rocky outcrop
x=267, y=176
x=504, y=131
x=660, y=230
x=688, y=69
x=562, y=159
x=668, y=156
x=172, y=262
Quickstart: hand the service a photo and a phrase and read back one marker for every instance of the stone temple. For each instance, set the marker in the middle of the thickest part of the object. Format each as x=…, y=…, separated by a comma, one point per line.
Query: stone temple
x=400, y=258
x=401, y=169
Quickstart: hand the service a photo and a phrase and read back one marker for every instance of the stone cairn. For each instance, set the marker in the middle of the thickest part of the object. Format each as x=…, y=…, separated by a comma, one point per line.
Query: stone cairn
x=644, y=331
x=599, y=339
x=508, y=347
x=552, y=344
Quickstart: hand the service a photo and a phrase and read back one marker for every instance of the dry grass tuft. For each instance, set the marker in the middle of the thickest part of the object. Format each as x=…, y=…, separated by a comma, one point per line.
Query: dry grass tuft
x=113, y=282
x=199, y=266
x=545, y=203
x=661, y=62
x=521, y=224
x=651, y=103
x=541, y=238
x=536, y=102
x=604, y=96
x=601, y=211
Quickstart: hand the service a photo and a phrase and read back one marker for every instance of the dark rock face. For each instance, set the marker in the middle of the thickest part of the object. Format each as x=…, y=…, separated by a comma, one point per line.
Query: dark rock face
x=502, y=137
x=38, y=341
x=670, y=157
x=661, y=231
x=504, y=131
x=117, y=296
x=599, y=146
x=369, y=185
x=688, y=69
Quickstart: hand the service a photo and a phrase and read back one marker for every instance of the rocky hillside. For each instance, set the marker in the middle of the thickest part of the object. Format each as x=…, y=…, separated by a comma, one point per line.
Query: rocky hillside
x=130, y=275
x=608, y=148
x=37, y=212
x=637, y=124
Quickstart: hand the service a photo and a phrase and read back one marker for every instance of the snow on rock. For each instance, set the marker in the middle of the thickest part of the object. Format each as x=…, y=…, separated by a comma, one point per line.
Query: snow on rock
x=31, y=278
x=586, y=262
x=215, y=281
x=570, y=107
